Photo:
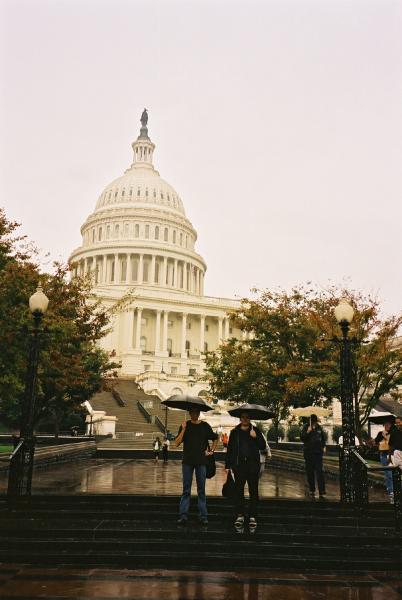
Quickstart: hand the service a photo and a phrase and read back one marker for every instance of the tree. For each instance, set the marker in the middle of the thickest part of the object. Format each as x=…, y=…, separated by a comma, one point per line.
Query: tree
x=72, y=366
x=292, y=358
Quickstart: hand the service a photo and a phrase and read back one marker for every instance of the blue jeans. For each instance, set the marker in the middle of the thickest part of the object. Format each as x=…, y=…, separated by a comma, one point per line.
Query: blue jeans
x=200, y=475
x=387, y=474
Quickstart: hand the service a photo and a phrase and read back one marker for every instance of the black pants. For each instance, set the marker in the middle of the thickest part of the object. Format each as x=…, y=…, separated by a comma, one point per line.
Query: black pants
x=165, y=454
x=315, y=471
x=247, y=472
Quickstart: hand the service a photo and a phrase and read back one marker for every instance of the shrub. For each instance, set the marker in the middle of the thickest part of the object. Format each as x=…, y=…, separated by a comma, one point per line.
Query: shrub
x=271, y=433
x=294, y=432
x=336, y=433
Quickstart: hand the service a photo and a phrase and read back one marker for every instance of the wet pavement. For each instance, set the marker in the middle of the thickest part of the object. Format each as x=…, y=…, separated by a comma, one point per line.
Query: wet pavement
x=144, y=476
x=30, y=583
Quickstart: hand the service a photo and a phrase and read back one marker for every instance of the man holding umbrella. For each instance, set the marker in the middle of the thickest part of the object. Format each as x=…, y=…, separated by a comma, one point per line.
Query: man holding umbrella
x=243, y=458
x=195, y=436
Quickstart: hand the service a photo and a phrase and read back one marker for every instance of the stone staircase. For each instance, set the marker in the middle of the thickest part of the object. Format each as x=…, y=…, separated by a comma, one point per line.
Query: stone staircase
x=141, y=532
x=130, y=418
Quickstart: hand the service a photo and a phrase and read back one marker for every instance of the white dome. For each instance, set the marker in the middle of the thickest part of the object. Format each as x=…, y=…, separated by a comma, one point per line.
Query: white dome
x=140, y=185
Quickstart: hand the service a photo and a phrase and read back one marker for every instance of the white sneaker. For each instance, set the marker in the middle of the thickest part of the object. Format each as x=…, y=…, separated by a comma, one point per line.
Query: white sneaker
x=391, y=498
x=239, y=521
x=252, y=523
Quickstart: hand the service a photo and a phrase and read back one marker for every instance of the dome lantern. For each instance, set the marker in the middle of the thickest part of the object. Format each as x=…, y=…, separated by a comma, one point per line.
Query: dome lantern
x=143, y=148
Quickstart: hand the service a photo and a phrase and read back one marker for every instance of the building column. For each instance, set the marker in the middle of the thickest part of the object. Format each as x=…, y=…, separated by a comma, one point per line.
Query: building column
x=85, y=266
x=127, y=279
x=116, y=268
x=153, y=260
x=185, y=276
x=175, y=274
x=226, y=334
x=202, y=284
x=165, y=331
x=202, y=333
x=220, y=322
x=183, y=335
x=104, y=269
x=164, y=271
x=138, y=330
x=130, y=329
x=141, y=269
x=157, y=331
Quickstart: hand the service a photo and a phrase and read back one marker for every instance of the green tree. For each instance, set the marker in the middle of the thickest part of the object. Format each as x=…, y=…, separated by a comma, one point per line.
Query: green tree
x=292, y=358
x=72, y=366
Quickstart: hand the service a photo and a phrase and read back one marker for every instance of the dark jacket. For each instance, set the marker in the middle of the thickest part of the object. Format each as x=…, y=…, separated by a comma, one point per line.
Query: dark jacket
x=256, y=445
x=314, y=441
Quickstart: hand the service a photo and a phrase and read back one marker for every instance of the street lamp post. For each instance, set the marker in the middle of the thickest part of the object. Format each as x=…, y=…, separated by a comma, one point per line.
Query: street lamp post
x=21, y=465
x=344, y=315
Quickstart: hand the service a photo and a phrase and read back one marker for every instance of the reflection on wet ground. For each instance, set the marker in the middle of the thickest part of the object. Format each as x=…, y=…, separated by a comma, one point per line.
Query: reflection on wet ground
x=144, y=476
x=30, y=583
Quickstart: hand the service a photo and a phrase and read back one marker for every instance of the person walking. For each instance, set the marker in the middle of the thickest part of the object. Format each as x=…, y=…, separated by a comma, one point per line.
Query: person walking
x=157, y=448
x=246, y=442
x=382, y=440
x=165, y=449
x=314, y=448
x=195, y=435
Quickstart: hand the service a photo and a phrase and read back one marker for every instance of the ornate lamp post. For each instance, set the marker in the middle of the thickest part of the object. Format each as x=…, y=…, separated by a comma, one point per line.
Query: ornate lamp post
x=344, y=315
x=21, y=465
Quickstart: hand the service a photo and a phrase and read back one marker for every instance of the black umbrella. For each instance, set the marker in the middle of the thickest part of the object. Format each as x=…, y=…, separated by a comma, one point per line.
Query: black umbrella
x=381, y=419
x=255, y=411
x=186, y=402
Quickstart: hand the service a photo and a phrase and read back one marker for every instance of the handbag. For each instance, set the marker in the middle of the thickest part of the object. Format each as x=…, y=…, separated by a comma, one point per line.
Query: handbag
x=229, y=487
x=211, y=466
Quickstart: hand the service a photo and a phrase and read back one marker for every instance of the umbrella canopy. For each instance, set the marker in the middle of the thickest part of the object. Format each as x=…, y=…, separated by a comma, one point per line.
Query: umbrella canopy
x=256, y=412
x=381, y=417
x=186, y=402
x=307, y=411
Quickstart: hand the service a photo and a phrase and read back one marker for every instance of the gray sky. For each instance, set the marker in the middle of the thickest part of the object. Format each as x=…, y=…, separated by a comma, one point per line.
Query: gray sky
x=278, y=122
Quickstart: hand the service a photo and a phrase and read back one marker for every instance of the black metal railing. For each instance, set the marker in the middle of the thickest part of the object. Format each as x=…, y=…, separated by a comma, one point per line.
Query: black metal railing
x=361, y=470
x=144, y=412
x=13, y=478
x=159, y=423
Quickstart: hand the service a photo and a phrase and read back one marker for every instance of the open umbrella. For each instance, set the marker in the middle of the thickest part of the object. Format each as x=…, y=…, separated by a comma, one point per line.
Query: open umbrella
x=381, y=417
x=307, y=411
x=186, y=402
x=256, y=412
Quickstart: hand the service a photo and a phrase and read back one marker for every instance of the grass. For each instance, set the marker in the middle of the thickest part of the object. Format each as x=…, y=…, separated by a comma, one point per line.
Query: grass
x=6, y=449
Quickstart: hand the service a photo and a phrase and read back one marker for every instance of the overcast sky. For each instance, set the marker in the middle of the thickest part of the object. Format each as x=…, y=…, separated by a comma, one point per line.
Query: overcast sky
x=279, y=123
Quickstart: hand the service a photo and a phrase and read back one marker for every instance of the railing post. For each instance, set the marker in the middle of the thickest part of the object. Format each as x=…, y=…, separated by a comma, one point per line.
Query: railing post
x=397, y=483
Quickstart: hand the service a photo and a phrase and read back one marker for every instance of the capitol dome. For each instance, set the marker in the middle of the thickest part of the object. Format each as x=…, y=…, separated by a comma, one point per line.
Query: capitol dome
x=139, y=232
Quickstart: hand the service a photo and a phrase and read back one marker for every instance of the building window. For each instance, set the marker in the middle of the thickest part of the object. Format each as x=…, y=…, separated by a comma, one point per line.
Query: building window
x=166, y=234
x=147, y=368
x=187, y=344
x=143, y=343
x=174, y=236
x=134, y=269
x=173, y=370
x=157, y=233
x=230, y=330
x=206, y=327
x=126, y=230
x=147, y=232
x=169, y=346
x=99, y=234
x=205, y=347
x=192, y=372
x=131, y=192
x=108, y=232
x=145, y=271
x=154, y=193
x=93, y=235
x=157, y=272
x=137, y=230
x=123, y=192
x=116, y=231
x=181, y=239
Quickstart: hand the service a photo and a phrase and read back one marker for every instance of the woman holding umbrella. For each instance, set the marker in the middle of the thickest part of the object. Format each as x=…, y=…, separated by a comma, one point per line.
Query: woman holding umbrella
x=243, y=458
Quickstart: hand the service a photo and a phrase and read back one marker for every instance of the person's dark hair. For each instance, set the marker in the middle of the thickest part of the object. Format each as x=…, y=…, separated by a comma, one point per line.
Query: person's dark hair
x=314, y=419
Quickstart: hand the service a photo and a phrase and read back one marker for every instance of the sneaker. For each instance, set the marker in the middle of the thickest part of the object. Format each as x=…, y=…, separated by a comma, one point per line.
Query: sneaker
x=239, y=521
x=252, y=523
x=182, y=521
x=391, y=498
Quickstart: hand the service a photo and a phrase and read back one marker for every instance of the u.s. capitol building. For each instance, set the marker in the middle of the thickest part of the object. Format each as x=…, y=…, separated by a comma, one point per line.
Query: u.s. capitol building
x=139, y=242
